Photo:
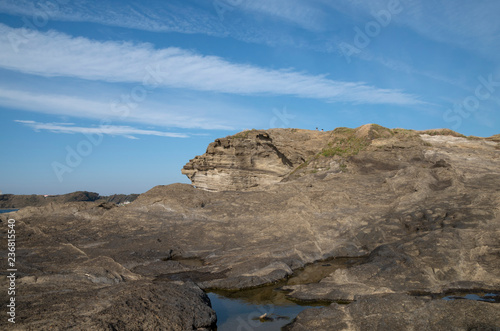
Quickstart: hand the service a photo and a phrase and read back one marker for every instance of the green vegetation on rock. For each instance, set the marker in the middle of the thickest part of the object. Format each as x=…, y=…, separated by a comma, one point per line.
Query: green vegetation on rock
x=442, y=132
x=345, y=146
x=343, y=130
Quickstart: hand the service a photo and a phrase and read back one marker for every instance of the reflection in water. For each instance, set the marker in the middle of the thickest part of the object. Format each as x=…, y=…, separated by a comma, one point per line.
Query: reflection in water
x=268, y=308
x=239, y=315
x=486, y=297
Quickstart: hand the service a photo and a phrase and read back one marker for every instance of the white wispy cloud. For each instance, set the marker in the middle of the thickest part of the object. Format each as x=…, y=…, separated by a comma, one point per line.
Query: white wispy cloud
x=158, y=16
x=113, y=130
x=472, y=25
x=174, y=113
x=55, y=54
x=216, y=18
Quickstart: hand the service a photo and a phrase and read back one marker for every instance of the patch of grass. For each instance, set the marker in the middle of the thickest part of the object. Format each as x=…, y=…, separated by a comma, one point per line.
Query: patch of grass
x=442, y=132
x=379, y=131
x=404, y=132
x=494, y=138
x=343, y=130
x=345, y=146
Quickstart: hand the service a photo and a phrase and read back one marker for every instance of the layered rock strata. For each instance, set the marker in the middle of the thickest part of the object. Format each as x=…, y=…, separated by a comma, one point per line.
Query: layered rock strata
x=252, y=158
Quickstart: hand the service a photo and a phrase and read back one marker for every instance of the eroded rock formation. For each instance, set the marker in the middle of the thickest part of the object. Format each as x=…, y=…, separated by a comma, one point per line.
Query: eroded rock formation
x=252, y=158
x=265, y=157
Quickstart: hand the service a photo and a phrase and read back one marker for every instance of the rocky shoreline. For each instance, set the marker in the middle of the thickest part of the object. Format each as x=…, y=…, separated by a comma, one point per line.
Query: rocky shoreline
x=422, y=207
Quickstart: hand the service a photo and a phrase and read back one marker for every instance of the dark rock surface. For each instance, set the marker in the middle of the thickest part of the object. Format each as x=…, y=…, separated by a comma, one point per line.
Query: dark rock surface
x=60, y=287
x=120, y=198
x=77, y=304
x=424, y=209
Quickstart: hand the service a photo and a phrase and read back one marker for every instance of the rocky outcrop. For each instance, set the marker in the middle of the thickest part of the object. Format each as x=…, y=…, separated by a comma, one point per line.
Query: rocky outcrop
x=421, y=208
x=252, y=158
x=264, y=157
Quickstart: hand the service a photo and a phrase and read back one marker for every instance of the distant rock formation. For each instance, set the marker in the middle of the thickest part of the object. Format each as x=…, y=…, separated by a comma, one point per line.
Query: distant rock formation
x=21, y=201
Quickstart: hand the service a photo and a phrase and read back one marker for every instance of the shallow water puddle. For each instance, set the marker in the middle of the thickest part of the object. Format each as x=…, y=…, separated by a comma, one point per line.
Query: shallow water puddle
x=268, y=308
x=2, y=211
x=486, y=297
x=241, y=315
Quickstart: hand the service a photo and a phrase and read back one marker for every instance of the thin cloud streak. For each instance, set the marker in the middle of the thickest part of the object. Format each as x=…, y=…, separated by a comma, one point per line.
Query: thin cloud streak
x=55, y=54
x=162, y=16
x=113, y=130
x=470, y=25
x=211, y=18
x=170, y=115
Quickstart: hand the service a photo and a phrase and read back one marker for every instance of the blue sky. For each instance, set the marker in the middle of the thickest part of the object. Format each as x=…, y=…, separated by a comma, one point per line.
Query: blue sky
x=116, y=96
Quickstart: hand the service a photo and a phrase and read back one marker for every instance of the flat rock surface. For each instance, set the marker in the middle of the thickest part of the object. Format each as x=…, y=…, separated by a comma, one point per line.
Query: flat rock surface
x=422, y=208
x=400, y=312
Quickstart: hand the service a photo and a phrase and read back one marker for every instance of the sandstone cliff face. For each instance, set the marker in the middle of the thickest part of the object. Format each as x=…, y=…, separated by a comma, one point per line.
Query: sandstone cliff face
x=252, y=158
